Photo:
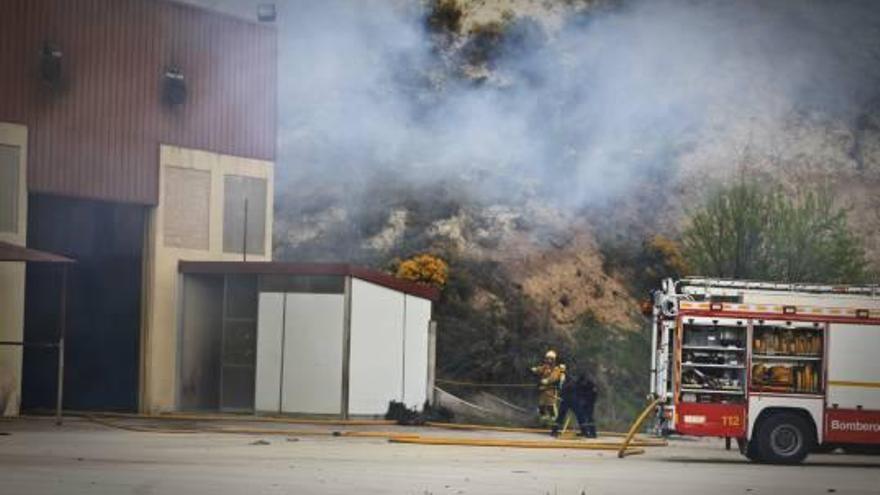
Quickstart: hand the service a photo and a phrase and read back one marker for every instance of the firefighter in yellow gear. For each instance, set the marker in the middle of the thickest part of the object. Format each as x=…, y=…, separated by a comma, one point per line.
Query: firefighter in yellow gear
x=551, y=375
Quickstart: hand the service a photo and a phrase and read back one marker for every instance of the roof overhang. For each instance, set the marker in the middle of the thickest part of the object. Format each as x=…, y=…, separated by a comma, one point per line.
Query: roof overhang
x=305, y=269
x=13, y=252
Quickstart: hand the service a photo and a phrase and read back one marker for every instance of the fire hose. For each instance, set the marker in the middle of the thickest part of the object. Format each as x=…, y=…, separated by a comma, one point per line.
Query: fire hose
x=637, y=424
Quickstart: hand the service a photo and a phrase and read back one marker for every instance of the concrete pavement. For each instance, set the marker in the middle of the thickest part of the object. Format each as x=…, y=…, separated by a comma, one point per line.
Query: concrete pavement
x=80, y=457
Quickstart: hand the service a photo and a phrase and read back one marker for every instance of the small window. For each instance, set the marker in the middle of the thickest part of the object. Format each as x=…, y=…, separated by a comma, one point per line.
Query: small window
x=9, y=177
x=312, y=284
x=242, y=193
x=187, y=208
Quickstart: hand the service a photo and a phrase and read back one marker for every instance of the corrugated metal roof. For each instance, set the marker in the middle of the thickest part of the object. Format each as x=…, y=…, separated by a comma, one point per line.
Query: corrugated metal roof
x=282, y=268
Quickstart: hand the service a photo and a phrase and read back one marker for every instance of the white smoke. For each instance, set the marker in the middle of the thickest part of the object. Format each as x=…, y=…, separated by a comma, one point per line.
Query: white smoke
x=575, y=113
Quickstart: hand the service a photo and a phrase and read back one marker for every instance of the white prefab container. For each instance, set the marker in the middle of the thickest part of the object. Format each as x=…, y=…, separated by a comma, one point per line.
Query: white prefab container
x=301, y=343
x=302, y=339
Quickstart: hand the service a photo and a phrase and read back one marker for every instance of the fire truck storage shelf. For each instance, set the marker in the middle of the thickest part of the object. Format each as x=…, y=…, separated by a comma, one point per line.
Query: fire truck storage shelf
x=710, y=348
x=787, y=360
x=712, y=362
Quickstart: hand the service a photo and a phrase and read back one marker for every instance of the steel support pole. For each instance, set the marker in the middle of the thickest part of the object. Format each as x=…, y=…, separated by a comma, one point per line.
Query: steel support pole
x=62, y=327
x=346, y=349
x=432, y=361
x=244, y=232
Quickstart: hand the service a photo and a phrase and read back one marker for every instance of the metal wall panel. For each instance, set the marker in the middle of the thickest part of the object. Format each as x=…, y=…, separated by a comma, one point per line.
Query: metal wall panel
x=312, y=376
x=270, y=330
x=376, y=356
x=415, y=356
x=853, y=373
x=97, y=134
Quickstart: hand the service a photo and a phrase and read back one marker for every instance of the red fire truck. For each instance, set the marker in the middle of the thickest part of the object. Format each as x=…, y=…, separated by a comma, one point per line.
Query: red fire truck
x=783, y=369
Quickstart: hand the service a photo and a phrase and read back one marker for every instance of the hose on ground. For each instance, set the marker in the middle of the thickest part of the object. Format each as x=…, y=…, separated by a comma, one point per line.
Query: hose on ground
x=527, y=444
x=637, y=424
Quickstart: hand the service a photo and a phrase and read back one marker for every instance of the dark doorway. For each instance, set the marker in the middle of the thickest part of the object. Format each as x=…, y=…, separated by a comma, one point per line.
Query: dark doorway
x=218, y=342
x=103, y=326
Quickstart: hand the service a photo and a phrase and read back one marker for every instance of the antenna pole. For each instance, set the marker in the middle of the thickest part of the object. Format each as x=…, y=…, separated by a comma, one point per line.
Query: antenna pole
x=244, y=232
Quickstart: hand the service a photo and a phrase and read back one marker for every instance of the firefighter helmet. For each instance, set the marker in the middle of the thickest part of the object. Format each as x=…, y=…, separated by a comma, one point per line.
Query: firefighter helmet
x=551, y=354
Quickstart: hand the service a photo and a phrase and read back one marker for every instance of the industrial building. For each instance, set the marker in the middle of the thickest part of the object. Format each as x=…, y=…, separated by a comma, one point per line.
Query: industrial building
x=133, y=134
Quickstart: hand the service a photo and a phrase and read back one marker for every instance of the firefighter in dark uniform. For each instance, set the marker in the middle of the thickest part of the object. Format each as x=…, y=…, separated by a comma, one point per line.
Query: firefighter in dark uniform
x=587, y=395
x=579, y=397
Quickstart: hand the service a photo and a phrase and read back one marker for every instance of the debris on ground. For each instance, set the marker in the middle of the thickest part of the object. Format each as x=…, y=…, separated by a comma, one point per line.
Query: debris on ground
x=397, y=411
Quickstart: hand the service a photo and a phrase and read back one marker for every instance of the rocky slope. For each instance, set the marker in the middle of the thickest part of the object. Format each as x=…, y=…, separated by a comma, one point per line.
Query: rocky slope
x=550, y=258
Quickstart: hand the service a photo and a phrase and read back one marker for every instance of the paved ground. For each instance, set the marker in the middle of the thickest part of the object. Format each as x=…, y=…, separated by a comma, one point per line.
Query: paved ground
x=37, y=458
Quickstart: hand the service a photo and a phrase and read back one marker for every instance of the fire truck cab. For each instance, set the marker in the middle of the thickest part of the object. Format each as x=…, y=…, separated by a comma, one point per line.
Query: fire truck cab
x=785, y=369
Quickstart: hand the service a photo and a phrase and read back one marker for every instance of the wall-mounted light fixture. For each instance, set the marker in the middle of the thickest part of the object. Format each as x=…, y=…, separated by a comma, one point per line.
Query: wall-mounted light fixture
x=50, y=64
x=173, y=87
x=266, y=12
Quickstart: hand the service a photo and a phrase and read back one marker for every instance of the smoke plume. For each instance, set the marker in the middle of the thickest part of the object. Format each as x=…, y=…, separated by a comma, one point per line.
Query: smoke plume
x=574, y=112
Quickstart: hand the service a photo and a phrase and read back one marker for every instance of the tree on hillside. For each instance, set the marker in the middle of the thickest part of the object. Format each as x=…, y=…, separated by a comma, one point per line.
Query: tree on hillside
x=751, y=230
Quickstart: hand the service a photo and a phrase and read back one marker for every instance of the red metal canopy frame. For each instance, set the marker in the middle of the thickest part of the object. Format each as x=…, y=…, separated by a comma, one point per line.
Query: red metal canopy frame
x=12, y=253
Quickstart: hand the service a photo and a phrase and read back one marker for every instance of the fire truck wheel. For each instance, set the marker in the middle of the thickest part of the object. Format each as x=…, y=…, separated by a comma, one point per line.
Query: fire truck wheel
x=784, y=438
x=747, y=449
x=750, y=450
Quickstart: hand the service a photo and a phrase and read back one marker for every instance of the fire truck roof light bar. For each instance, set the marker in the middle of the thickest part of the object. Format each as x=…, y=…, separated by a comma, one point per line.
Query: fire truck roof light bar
x=707, y=283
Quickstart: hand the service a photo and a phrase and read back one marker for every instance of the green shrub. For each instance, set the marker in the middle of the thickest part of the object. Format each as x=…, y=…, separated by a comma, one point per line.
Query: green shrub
x=753, y=230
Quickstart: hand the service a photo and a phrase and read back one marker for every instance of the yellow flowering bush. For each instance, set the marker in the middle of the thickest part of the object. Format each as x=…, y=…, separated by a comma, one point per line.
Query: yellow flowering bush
x=424, y=268
x=668, y=252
